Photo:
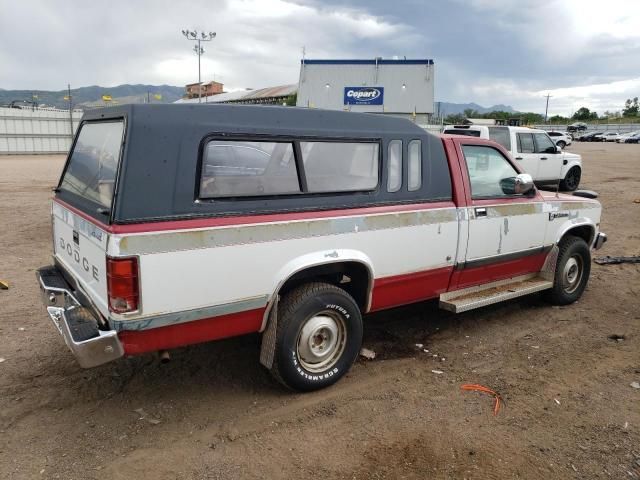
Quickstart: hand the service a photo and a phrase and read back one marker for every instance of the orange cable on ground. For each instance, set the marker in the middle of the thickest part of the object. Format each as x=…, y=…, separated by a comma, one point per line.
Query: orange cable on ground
x=480, y=388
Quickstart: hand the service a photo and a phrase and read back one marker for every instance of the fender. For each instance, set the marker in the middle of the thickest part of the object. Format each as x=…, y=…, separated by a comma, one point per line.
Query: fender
x=570, y=164
x=575, y=223
x=314, y=259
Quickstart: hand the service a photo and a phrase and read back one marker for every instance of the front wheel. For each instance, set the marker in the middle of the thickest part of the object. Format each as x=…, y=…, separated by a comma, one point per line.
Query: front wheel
x=562, y=144
x=571, y=180
x=318, y=336
x=572, y=271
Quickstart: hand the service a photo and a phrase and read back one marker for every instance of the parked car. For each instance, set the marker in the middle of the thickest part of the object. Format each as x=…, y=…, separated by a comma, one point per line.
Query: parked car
x=624, y=136
x=577, y=127
x=534, y=150
x=608, y=136
x=164, y=237
x=589, y=137
x=633, y=139
x=561, y=139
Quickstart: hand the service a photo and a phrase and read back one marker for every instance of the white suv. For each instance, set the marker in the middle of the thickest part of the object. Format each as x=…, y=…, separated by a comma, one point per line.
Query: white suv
x=534, y=150
x=562, y=139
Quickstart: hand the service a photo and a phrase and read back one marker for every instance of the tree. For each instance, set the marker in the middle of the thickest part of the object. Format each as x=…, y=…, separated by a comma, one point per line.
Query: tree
x=529, y=118
x=558, y=119
x=454, y=118
x=583, y=113
x=471, y=113
x=631, y=107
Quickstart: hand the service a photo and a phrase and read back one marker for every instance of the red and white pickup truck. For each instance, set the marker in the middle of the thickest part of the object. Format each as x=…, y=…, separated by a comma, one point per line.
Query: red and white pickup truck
x=179, y=224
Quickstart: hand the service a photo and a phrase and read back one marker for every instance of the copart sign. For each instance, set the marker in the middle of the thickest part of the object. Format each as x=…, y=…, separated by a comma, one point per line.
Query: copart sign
x=363, y=95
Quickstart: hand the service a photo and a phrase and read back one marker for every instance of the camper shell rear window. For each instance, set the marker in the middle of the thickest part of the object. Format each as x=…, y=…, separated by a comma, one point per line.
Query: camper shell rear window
x=90, y=174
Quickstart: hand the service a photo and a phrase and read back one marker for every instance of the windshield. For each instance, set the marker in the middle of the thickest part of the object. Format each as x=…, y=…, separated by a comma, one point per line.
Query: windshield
x=91, y=171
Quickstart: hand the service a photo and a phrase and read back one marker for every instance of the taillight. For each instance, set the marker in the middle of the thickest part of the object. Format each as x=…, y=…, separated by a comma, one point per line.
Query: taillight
x=122, y=284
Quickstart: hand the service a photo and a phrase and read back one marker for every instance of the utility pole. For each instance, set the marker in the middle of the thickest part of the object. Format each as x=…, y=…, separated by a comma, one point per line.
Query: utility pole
x=546, y=111
x=70, y=111
x=199, y=37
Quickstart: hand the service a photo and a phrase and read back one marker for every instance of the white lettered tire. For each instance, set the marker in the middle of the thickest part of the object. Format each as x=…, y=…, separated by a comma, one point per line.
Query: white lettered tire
x=318, y=336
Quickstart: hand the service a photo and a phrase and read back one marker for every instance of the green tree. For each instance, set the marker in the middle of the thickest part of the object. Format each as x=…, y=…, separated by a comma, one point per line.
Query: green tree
x=454, y=118
x=471, y=113
x=583, y=113
x=631, y=107
x=290, y=101
x=529, y=118
x=558, y=119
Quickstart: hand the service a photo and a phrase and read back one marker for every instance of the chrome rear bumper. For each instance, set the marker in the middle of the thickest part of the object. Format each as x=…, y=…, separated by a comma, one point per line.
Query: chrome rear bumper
x=601, y=238
x=77, y=325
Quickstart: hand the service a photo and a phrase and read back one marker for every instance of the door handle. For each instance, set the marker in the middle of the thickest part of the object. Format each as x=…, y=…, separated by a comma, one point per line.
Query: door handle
x=518, y=158
x=481, y=212
x=543, y=158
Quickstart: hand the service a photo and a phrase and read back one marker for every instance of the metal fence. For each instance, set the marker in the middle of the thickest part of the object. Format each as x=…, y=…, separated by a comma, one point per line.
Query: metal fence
x=26, y=131
x=595, y=127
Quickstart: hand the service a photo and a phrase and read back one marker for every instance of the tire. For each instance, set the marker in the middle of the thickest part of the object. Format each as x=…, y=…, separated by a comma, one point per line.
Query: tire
x=311, y=318
x=561, y=144
x=571, y=180
x=572, y=271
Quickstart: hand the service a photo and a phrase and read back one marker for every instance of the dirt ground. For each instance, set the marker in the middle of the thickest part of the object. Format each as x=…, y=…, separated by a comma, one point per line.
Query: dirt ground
x=214, y=412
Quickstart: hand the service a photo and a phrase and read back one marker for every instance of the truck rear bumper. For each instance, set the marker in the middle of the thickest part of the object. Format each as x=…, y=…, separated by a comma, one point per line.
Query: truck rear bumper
x=601, y=238
x=77, y=325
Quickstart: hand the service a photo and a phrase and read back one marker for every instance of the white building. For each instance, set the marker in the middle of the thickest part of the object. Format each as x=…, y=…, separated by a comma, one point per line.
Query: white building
x=397, y=87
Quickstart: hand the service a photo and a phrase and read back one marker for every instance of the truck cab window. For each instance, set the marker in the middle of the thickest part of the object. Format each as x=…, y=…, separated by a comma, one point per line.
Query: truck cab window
x=487, y=168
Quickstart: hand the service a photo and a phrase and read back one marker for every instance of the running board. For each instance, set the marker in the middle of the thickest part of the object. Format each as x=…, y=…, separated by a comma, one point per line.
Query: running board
x=475, y=297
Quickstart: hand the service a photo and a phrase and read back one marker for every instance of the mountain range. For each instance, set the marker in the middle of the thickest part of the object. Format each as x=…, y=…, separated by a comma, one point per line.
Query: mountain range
x=92, y=96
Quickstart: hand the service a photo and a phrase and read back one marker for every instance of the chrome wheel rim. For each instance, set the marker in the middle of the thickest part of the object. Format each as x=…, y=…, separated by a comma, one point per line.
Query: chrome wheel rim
x=321, y=341
x=572, y=273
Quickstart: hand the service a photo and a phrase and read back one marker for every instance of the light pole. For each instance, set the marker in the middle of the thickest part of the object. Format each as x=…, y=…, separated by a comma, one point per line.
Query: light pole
x=198, y=37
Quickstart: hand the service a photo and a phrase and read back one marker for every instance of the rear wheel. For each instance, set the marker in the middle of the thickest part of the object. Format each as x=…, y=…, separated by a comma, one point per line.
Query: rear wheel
x=318, y=336
x=571, y=180
x=562, y=144
x=572, y=271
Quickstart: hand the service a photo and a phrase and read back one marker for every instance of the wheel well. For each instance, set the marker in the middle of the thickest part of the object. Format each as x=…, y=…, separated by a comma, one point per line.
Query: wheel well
x=586, y=232
x=353, y=277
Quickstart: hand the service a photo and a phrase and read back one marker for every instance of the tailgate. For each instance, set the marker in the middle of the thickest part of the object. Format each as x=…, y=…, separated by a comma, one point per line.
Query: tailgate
x=80, y=246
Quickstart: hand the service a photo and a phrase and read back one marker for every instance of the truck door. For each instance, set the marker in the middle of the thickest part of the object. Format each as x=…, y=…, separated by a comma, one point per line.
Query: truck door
x=550, y=164
x=526, y=155
x=506, y=231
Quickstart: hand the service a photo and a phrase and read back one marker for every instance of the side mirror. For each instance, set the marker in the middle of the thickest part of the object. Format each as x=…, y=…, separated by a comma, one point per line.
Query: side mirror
x=521, y=184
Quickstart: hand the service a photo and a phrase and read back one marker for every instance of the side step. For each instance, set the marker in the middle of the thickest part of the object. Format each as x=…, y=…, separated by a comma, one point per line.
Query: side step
x=475, y=297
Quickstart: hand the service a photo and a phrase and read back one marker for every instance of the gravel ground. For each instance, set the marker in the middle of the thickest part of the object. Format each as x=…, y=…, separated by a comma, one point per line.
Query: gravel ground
x=214, y=412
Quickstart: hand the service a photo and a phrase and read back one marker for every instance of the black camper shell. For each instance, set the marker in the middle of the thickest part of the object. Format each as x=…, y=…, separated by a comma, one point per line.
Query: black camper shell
x=161, y=159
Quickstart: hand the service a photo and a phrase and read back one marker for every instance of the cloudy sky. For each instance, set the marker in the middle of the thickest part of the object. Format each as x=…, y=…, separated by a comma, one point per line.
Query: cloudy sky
x=582, y=52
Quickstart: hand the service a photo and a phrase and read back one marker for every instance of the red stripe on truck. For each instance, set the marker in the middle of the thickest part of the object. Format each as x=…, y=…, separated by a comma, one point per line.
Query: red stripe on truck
x=409, y=288
x=188, y=333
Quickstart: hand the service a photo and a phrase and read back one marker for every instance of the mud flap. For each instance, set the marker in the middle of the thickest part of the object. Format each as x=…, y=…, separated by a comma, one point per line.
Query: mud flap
x=548, y=271
x=268, y=347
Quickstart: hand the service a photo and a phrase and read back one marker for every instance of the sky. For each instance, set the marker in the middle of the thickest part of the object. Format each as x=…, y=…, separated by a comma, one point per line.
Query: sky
x=581, y=52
